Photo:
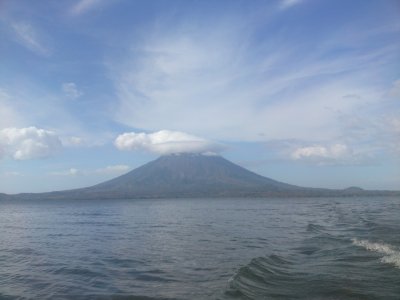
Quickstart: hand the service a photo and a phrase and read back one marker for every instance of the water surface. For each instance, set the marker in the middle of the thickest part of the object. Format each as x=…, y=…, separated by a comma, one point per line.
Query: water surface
x=321, y=248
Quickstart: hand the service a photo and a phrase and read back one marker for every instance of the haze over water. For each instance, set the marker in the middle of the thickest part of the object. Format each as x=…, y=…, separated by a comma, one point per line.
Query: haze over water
x=322, y=248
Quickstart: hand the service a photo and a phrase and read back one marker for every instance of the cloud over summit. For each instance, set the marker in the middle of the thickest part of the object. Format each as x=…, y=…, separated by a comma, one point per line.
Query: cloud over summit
x=166, y=142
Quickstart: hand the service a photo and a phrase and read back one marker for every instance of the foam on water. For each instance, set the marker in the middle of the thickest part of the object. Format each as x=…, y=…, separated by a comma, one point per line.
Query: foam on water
x=391, y=254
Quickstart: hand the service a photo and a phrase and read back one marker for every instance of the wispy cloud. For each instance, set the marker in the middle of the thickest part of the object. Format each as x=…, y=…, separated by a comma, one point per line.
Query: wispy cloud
x=365, y=140
x=178, y=80
x=69, y=172
x=73, y=141
x=395, y=90
x=29, y=37
x=285, y=4
x=9, y=115
x=115, y=169
x=71, y=90
x=375, y=134
x=83, y=6
x=109, y=170
x=10, y=174
x=25, y=102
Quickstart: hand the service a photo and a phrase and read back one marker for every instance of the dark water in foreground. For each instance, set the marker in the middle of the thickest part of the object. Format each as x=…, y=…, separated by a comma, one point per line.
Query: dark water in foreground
x=336, y=248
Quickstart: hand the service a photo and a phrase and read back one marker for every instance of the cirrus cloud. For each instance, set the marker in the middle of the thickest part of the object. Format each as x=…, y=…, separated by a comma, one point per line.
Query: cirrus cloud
x=289, y=3
x=28, y=143
x=83, y=6
x=178, y=78
x=166, y=142
x=28, y=36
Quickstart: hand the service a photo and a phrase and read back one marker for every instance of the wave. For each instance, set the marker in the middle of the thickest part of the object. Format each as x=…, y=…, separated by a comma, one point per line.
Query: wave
x=319, y=270
x=263, y=276
x=391, y=253
x=274, y=277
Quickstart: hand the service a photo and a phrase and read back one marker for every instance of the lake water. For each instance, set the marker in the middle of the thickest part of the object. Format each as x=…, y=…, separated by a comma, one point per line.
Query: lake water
x=325, y=248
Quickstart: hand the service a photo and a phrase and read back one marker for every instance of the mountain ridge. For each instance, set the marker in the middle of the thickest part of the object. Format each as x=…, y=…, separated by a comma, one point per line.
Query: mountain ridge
x=193, y=176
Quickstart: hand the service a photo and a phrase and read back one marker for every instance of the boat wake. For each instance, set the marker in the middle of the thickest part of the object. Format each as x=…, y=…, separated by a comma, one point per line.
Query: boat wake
x=391, y=255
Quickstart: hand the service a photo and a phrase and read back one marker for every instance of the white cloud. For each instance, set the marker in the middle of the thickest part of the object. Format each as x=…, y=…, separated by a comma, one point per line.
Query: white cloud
x=330, y=154
x=28, y=143
x=116, y=169
x=166, y=142
x=71, y=90
x=29, y=37
x=318, y=152
x=26, y=102
x=69, y=172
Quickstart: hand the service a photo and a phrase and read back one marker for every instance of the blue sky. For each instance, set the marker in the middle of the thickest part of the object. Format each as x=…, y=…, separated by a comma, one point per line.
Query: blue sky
x=302, y=91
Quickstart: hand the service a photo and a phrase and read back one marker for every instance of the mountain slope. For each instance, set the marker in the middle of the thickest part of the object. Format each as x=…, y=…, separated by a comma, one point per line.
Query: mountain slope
x=192, y=175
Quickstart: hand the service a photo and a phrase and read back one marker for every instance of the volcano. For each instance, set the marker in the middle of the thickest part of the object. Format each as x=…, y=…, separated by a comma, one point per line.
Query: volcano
x=191, y=176
x=186, y=175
